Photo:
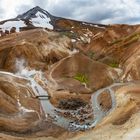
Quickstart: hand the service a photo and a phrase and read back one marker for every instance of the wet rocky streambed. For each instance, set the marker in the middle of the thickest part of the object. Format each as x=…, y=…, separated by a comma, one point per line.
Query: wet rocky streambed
x=73, y=114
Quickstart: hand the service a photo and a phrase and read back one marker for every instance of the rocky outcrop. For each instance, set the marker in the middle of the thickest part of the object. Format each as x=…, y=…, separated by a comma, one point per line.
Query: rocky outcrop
x=34, y=48
x=19, y=110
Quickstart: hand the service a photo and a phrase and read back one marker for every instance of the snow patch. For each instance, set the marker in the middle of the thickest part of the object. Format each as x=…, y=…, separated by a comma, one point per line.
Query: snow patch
x=9, y=24
x=22, y=108
x=74, y=51
x=97, y=26
x=86, y=35
x=85, y=39
x=73, y=40
x=42, y=20
x=93, y=25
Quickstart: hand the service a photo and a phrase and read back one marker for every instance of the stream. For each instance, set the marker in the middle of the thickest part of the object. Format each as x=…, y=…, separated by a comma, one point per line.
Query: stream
x=60, y=120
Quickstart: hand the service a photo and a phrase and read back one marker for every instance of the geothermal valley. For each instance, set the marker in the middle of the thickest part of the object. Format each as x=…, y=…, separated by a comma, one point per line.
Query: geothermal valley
x=62, y=79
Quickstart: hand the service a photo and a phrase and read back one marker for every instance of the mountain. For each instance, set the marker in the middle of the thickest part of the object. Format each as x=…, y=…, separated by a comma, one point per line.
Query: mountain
x=66, y=79
x=35, y=18
x=32, y=13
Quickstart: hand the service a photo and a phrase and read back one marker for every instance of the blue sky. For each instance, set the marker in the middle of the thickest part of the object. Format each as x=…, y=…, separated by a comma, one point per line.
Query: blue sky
x=97, y=11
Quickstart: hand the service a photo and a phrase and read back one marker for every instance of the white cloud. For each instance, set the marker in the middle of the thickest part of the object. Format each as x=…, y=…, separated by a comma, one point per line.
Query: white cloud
x=101, y=11
x=10, y=7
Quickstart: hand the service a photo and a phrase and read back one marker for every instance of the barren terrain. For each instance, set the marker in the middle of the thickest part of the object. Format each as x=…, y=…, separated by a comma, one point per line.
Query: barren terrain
x=74, y=81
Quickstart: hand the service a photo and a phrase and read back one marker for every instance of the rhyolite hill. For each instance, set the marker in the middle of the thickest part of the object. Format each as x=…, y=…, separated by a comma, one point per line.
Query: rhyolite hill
x=67, y=79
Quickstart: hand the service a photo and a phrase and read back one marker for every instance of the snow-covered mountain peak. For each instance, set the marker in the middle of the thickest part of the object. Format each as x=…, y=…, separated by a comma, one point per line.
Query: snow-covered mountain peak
x=32, y=13
x=38, y=17
x=35, y=17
